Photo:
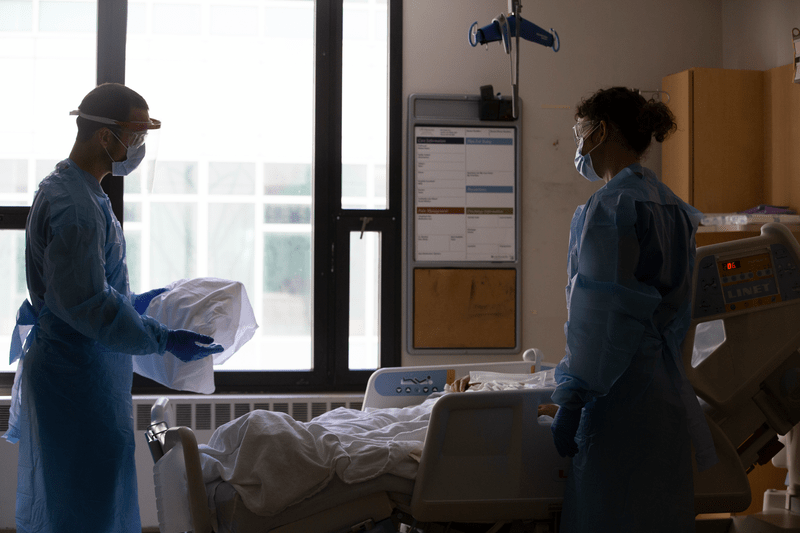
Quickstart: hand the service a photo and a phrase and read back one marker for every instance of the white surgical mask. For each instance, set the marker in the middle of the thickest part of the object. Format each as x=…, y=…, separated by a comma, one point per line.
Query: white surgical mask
x=134, y=157
x=583, y=163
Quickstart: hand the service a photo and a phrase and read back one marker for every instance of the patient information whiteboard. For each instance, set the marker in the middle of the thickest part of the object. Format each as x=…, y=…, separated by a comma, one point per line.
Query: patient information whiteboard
x=463, y=222
x=465, y=193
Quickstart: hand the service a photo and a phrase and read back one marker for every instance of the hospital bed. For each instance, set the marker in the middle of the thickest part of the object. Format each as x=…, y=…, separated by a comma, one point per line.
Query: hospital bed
x=488, y=460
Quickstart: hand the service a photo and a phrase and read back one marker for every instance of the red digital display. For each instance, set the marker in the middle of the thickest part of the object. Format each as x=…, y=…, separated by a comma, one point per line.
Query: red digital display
x=731, y=265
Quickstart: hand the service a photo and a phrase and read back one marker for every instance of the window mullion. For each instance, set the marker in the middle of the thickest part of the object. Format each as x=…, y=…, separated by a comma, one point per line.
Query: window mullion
x=327, y=182
x=112, y=24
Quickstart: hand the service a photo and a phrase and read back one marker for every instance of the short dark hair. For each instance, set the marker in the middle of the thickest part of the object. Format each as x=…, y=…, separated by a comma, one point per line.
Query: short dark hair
x=638, y=120
x=109, y=100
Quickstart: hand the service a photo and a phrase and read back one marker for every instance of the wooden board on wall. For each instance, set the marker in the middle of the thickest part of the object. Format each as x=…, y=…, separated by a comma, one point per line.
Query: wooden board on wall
x=464, y=308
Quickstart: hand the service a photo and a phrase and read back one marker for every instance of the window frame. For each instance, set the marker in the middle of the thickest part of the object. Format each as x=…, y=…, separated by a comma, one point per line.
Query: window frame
x=332, y=224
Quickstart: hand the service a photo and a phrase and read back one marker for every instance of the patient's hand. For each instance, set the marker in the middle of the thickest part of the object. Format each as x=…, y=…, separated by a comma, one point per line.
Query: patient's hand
x=547, y=409
x=460, y=385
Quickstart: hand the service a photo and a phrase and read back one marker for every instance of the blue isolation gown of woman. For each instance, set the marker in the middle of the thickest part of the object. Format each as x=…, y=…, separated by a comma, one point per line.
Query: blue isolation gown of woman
x=631, y=257
x=76, y=457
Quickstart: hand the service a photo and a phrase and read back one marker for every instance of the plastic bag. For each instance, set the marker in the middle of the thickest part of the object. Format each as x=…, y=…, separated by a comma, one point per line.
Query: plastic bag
x=211, y=306
x=707, y=338
x=500, y=381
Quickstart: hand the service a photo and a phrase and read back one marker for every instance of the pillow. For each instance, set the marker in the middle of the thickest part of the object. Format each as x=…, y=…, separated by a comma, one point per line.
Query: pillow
x=211, y=306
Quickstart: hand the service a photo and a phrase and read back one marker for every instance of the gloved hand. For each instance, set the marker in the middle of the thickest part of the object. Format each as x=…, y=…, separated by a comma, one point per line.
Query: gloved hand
x=141, y=301
x=183, y=344
x=564, y=428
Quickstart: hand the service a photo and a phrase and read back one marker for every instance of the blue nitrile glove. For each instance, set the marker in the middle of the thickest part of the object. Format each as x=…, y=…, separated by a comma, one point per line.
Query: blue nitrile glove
x=564, y=428
x=141, y=301
x=183, y=344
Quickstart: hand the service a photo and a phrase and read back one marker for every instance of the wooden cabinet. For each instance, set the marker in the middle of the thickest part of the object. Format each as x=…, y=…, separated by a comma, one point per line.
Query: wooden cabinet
x=737, y=143
x=782, y=136
x=715, y=161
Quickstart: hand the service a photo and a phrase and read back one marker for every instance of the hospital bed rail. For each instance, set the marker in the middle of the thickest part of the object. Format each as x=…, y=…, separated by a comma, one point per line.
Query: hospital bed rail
x=746, y=297
x=493, y=437
x=162, y=439
x=488, y=459
x=748, y=290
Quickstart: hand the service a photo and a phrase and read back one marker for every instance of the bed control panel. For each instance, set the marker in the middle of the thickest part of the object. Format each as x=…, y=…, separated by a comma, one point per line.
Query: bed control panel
x=728, y=283
x=411, y=383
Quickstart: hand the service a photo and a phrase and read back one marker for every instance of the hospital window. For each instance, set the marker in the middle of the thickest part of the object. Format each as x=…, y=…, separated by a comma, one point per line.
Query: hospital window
x=261, y=176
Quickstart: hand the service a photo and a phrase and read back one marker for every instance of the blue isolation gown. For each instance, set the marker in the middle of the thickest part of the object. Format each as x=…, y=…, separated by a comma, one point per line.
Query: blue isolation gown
x=631, y=257
x=76, y=456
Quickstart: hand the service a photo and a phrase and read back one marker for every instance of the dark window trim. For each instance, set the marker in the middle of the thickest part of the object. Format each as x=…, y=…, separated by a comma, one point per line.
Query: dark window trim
x=333, y=224
x=13, y=217
x=112, y=39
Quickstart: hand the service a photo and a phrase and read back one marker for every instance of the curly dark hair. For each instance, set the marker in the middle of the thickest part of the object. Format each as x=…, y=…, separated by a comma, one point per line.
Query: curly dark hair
x=636, y=119
x=108, y=100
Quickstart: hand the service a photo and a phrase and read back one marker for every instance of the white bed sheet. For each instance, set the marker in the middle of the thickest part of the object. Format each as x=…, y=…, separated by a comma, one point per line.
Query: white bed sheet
x=274, y=461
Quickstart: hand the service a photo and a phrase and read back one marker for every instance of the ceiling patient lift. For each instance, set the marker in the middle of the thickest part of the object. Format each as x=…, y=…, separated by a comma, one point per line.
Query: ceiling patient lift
x=505, y=28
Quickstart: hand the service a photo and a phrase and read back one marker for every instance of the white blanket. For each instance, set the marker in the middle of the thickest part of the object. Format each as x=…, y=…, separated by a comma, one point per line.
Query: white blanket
x=274, y=461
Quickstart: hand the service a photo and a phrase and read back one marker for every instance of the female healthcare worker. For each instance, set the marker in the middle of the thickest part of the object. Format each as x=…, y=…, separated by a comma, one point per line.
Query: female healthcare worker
x=627, y=413
x=75, y=416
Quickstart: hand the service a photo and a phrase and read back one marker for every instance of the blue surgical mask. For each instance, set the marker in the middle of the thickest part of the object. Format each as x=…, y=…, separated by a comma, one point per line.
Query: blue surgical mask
x=583, y=163
x=134, y=156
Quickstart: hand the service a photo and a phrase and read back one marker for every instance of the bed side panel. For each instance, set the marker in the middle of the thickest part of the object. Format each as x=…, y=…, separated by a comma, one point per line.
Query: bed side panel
x=487, y=458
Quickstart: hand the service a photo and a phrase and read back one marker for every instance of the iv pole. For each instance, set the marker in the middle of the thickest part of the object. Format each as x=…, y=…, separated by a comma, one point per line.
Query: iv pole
x=500, y=30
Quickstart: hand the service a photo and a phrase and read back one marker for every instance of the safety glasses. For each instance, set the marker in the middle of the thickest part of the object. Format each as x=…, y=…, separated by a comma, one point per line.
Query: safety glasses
x=136, y=139
x=579, y=131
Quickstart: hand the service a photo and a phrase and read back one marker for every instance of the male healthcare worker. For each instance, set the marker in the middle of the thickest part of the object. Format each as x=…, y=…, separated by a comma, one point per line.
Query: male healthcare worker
x=627, y=413
x=73, y=394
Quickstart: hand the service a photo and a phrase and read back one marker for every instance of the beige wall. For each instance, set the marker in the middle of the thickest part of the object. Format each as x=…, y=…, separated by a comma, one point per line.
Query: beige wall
x=634, y=43
x=757, y=35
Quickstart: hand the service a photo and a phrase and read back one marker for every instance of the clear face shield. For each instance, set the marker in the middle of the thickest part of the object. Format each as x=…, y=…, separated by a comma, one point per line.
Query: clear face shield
x=142, y=179
x=141, y=138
